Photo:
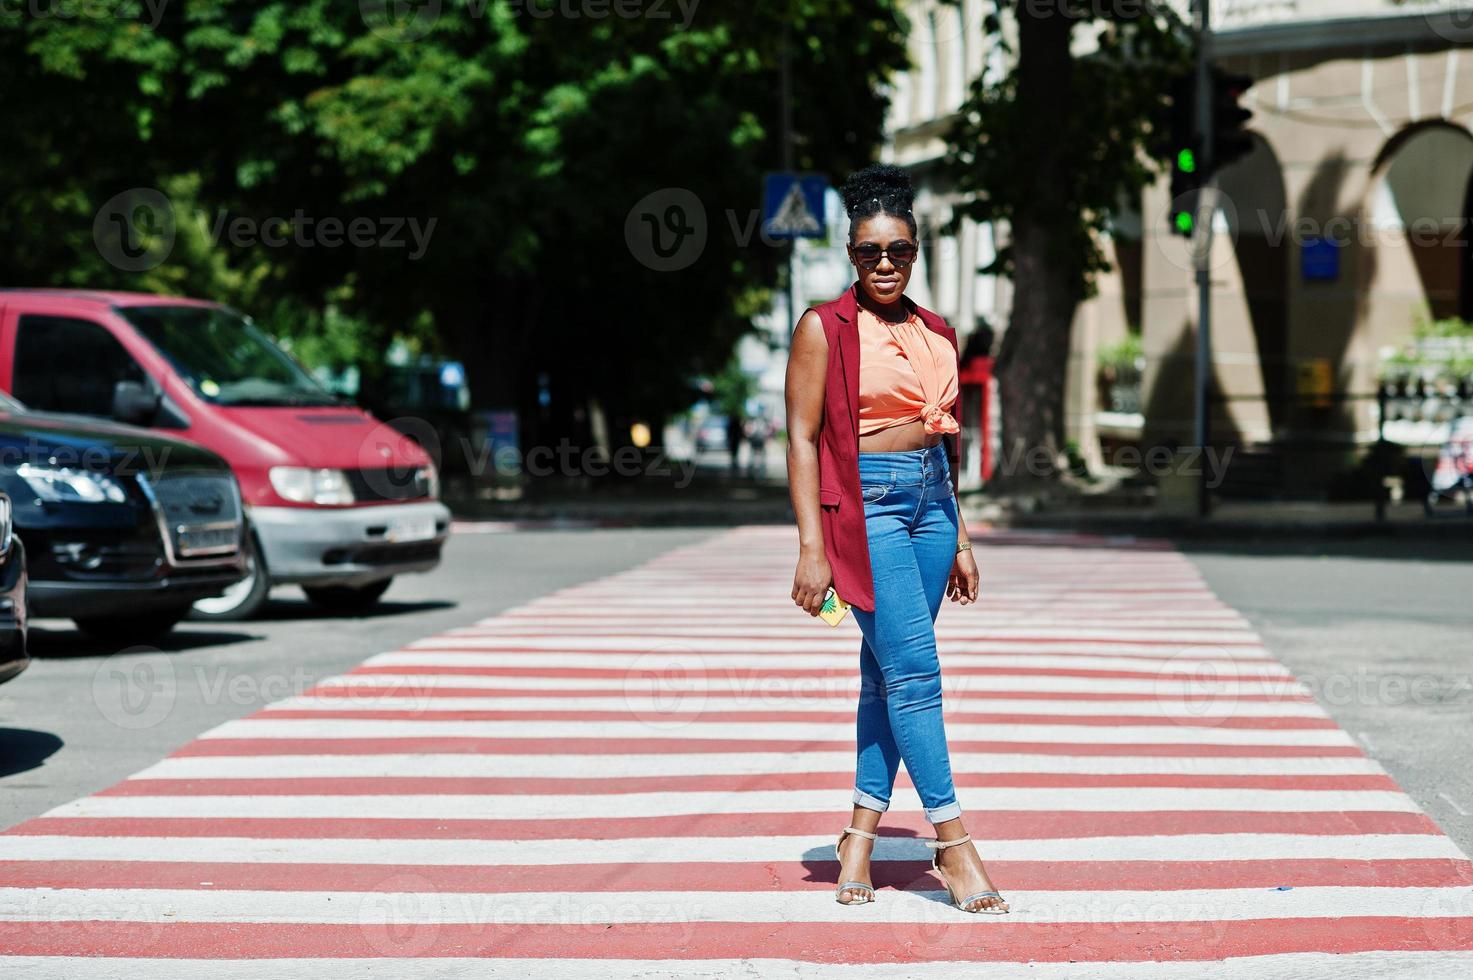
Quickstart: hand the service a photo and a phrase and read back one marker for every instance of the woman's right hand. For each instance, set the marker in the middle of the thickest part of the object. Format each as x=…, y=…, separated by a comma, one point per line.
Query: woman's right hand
x=811, y=581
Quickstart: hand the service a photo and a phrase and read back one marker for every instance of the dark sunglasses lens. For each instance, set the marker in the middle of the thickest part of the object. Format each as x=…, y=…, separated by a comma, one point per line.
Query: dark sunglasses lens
x=867, y=255
x=902, y=253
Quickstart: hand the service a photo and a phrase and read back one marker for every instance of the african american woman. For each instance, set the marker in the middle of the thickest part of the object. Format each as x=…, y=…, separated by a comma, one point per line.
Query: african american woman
x=871, y=381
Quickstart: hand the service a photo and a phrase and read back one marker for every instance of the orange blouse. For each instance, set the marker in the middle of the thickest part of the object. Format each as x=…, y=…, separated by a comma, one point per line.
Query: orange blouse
x=906, y=372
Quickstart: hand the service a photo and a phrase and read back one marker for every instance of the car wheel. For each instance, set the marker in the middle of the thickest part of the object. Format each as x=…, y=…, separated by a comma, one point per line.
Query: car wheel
x=132, y=629
x=243, y=599
x=347, y=598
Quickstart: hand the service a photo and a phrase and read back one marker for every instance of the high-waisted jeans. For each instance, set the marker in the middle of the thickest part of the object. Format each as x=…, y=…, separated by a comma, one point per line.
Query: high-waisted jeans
x=910, y=513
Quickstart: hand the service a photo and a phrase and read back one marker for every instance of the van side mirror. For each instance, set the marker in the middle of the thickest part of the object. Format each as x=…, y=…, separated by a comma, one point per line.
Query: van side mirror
x=134, y=403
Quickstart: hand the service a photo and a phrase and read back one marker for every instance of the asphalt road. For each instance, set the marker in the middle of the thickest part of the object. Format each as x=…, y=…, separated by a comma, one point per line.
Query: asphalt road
x=66, y=730
x=1382, y=632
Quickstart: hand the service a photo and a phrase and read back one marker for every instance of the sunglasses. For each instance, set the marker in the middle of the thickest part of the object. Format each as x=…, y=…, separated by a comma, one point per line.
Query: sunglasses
x=901, y=252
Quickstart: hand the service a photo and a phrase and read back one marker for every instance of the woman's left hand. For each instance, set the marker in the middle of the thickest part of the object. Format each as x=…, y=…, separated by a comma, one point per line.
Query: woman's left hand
x=964, y=581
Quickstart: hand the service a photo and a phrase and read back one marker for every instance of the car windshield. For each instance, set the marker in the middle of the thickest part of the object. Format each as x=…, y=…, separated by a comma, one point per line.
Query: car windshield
x=225, y=358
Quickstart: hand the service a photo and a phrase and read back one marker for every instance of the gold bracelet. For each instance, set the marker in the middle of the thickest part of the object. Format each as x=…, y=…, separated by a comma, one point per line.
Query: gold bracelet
x=963, y=546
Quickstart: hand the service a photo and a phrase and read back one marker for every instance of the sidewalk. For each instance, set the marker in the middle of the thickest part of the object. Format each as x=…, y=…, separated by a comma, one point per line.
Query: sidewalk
x=716, y=501
x=1233, y=519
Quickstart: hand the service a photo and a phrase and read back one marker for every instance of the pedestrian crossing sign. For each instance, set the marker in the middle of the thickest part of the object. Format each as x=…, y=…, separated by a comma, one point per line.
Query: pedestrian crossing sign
x=793, y=205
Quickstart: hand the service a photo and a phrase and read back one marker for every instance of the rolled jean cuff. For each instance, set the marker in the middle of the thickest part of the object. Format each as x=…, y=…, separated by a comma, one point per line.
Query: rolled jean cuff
x=869, y=802
x=941, y=814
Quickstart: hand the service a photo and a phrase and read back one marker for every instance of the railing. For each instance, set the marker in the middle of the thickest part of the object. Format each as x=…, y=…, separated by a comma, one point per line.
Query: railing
x=1322, y=445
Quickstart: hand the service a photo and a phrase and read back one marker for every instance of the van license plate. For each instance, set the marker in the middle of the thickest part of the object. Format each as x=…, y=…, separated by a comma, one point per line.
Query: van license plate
x=412, y=529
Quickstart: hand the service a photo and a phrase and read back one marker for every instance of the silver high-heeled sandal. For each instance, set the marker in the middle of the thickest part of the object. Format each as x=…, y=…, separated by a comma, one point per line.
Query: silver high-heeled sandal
x=936, y=846
x=854, y=886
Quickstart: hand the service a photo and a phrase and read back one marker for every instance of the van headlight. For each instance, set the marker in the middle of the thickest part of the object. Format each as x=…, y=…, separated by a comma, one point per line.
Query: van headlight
x=429, y=478
x=304, y=485
x=62, y=484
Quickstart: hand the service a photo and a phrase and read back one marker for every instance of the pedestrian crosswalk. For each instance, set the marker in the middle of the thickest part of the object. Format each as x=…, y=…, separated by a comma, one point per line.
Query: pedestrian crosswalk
x=643, y=776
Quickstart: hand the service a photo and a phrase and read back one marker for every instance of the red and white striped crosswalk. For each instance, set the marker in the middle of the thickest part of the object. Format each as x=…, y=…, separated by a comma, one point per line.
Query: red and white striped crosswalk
x=643, y=776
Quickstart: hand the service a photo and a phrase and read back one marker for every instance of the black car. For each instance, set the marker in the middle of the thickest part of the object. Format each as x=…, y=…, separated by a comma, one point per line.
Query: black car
x=13, y=657
x=123, y=529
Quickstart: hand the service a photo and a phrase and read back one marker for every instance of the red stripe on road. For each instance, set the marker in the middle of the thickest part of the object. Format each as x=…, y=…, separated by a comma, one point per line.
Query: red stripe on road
x=410, y=688
x=984, y=824
x=834, y=717
x=753, y=876
x=664, y=746
x=455, y=642
x=761, y=673
x=830, y=942
x=522, y=785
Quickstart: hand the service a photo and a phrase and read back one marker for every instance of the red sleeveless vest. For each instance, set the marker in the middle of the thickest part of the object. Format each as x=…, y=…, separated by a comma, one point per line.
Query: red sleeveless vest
x=845, y=542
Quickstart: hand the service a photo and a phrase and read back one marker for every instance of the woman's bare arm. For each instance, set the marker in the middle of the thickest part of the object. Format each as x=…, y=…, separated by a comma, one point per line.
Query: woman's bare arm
x=804, y=396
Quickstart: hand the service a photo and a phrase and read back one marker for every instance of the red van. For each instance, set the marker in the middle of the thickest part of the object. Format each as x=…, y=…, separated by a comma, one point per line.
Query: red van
x=337, y=501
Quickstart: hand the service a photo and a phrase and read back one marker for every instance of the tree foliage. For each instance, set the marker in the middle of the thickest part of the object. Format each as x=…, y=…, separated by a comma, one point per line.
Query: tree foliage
x=525, y=132
x=1051, y=150
x=1075, y=171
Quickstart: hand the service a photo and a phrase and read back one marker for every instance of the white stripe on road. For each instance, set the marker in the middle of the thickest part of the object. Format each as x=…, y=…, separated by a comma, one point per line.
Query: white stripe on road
x=793, y=731
x=1457, y=965
x=846, y=643
x=981, y=625
x=1187, y=848
x=1032, y=635
x=1183, y=711
x=659, y=662
x=400, y=908
x=1165, y=663
x=618, y=805
x=661, y=681
x=723, y=764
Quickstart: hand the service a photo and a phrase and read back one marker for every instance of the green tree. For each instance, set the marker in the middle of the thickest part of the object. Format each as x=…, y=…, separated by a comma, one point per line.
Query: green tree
x=524, y=135
x=1055, y=187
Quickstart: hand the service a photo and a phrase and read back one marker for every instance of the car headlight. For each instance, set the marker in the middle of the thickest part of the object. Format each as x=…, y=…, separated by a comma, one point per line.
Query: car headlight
x=62, y=484
x=303, y=485
x=7, y=526
x=429, y=478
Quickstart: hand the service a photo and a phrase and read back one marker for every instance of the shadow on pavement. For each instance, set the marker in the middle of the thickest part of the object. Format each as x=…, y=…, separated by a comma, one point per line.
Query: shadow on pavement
x=62, y=642
x=289, y=610
x=22, y=749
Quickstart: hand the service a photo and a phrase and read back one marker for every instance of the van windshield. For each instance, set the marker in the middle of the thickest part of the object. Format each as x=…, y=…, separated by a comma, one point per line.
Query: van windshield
x=225, y=358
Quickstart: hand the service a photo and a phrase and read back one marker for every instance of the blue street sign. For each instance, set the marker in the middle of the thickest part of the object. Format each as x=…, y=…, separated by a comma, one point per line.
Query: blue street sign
x=1319, y=260
x=792, y=205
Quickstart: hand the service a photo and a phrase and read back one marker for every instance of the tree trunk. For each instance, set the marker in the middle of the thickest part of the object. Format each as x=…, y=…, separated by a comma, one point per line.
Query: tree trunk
x=1033, y=361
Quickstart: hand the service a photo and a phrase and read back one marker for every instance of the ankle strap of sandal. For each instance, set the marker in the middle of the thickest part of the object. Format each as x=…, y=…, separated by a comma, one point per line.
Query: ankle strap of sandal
x=861, y=833
x=938, y=843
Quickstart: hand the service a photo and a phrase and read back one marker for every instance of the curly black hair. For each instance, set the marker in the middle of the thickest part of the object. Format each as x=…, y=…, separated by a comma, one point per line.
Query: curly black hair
x=880, y=188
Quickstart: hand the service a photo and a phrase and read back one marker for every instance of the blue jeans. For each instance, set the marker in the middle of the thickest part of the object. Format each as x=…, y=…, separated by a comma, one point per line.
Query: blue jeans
x=910, y=516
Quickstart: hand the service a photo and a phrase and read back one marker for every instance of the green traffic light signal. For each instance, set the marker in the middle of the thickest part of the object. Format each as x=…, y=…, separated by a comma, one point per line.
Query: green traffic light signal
x=1183, y=222
x=1186, y=161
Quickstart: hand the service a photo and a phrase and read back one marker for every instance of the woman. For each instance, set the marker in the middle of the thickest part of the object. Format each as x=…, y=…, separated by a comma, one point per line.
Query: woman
x=870, y=382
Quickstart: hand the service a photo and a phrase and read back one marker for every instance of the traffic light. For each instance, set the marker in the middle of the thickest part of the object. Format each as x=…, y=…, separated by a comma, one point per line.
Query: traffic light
x=1230, y=140
x=1190, y=167
x=1182, y=144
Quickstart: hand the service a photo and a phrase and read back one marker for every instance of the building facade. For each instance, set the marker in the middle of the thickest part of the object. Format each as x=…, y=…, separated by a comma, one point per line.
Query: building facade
x=1342, y=231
